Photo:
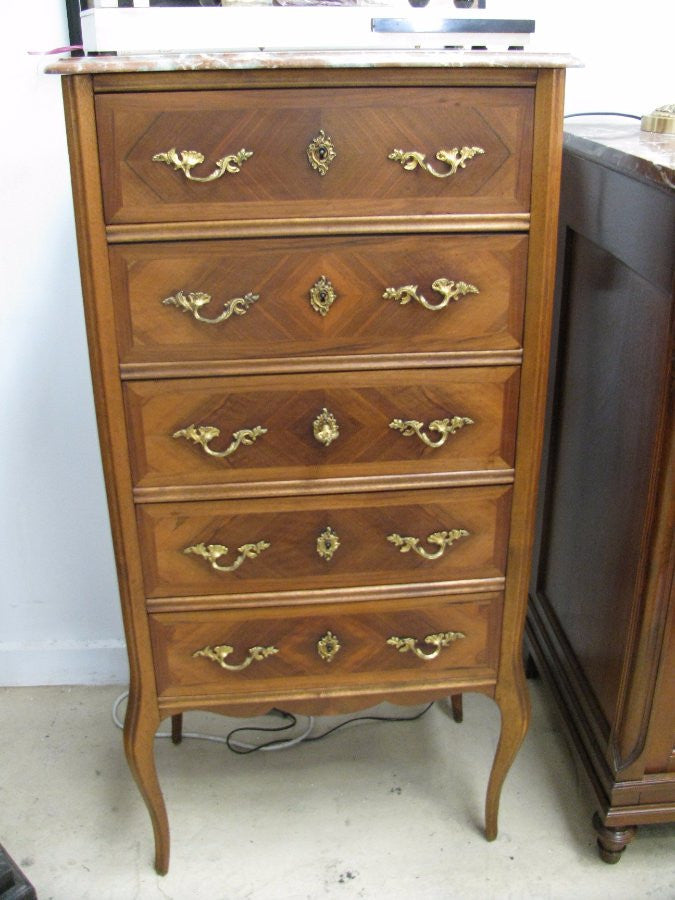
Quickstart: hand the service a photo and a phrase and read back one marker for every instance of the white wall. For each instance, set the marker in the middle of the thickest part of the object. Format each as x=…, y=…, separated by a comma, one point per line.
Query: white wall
x=59, y=618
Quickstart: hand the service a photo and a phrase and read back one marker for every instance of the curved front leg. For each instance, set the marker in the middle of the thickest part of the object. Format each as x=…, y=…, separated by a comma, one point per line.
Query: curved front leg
x=140, y=726
x=514, y=706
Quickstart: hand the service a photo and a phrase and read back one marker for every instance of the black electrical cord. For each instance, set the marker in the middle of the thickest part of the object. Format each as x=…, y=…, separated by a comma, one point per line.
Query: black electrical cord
x=624, y=115
x=319, y=737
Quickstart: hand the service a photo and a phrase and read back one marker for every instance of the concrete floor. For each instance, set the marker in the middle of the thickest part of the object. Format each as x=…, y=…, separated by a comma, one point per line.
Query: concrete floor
x=375, y=811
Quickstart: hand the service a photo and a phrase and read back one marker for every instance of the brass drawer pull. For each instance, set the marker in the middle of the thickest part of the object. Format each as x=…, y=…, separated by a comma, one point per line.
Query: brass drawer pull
x=444, y=639
x=194, y=301
x=220, y=653
x=442, y=539
x=204, y=434
x=188, y=159
x=212, y=553
x=445, y=427
x=454, y=159
x=449, y=290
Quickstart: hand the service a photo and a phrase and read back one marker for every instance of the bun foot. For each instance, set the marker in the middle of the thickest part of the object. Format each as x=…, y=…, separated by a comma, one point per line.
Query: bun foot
x=612, y=841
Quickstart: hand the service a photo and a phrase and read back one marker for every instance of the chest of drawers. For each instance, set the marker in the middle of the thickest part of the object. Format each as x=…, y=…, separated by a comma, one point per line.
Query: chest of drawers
x=318, y=306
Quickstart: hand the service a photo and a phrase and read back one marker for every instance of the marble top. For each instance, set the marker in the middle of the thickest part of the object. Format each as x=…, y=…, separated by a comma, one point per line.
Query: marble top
x=296, y=59
x=620, y=145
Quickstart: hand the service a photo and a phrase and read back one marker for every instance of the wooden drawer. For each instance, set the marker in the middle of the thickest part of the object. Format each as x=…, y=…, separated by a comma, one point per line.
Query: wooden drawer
x=293, y=527
x=359, y=442
x=362, y=630
x=364, y=124
x=282, y=326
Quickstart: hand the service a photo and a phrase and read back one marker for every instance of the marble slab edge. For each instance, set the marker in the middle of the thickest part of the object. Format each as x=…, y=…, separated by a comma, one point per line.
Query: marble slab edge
x=624, y=148
x=352, y=59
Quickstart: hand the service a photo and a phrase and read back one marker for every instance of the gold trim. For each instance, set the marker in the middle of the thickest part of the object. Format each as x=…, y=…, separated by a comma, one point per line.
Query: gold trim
x=212, y=553
x=449, y=290
x=442, y=539
x=204, y=434
x=220, y=653
x=321, y=152
x=445, y=427
x=325, y=428
x=327, y=544
x=455, y=159
x=194, y=301
x=322, y=295
x=444, y=639
x=188, y=159
x=328, y=647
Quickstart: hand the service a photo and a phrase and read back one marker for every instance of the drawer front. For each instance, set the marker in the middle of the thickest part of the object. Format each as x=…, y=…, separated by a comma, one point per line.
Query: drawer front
x=297, y=428
x=308, y=543
x=278, y=127
x=326, y=647
x=297, y=315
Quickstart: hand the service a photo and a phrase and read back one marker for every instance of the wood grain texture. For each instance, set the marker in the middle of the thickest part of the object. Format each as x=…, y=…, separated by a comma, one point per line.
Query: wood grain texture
x=365, y=125
x=283, y=327
x=363, y=404
x=364, y=656
x=292, y=526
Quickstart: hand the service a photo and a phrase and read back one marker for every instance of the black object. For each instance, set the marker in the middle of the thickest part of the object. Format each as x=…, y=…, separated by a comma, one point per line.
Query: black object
x=13, y=883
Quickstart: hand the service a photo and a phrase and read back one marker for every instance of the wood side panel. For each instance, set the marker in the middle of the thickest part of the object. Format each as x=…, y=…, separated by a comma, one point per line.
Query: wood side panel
x=283, y=326
x=365, y=126
x=362, y=631
x=293, y=525
x=363, y=404
x=547, y=156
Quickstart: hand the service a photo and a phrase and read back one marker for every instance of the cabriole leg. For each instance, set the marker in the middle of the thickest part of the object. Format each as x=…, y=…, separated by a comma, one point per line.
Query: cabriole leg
x=514, y=707
x=140, y=726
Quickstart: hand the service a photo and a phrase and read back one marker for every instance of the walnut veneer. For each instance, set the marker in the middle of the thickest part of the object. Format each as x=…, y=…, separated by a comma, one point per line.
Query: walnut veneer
x=251, y=559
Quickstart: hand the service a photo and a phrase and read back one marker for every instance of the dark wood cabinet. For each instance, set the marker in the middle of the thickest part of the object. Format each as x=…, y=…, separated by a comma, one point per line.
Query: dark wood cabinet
x=601, y=622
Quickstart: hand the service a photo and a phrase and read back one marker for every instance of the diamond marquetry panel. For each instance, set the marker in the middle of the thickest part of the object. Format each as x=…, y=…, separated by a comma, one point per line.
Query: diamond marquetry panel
x=282, y=326
x=291, y=525
x=361, y=628
x=363, y=404
x=365, y=125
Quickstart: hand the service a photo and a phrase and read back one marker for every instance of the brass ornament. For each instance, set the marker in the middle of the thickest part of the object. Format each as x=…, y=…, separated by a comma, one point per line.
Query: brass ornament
x=188, y=159
x=322, y=295
x=220, y=653
x=325, y=428
x=327, y=544
x=449, y=290
x=444, y=427
x=321, y=153
x=204, y=434
x=444, y=639
x=194, y=301
x=441, y=539
x=213, y=552
x=455, y=159
x=328, y=647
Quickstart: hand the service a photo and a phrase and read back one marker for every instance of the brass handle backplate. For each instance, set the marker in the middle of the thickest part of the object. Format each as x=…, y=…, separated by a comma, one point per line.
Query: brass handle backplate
x=213, y=552
x=204, y=434
x=444, y=427
x=454, y=159
x=449, y=290
x=220, y=653
x=444, y=639
x=442, y=540
x=188, y=159
x=194, y=301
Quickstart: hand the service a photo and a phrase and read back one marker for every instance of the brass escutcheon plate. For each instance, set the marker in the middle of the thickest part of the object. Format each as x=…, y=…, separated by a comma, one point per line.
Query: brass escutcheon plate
x=328, y=646
x=327, y=544
x=321, y=153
